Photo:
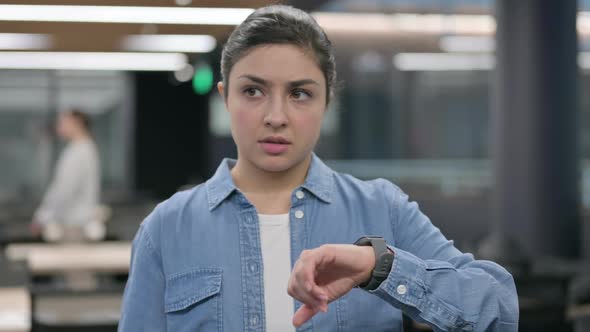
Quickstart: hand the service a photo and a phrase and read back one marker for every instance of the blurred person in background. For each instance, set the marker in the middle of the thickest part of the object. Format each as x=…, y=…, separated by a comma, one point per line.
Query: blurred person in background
x=70, y=209
x=268, y=243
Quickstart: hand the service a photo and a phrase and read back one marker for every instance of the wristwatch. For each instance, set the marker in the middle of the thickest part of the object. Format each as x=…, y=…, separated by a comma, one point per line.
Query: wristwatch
x=383, y=260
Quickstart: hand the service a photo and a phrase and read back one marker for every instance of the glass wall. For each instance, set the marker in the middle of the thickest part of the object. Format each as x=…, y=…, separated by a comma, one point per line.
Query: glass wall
x=29, y=102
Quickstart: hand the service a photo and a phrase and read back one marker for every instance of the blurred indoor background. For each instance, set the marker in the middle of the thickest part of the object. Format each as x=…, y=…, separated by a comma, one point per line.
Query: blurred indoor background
x=478, y=109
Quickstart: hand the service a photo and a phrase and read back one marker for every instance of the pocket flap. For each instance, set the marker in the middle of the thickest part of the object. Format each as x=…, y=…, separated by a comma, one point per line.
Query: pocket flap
x=438, y=265
x=188, y=288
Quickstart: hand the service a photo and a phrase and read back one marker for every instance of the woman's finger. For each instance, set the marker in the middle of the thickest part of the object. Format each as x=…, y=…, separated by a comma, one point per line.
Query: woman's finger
x=301, y=289
x=303, y=314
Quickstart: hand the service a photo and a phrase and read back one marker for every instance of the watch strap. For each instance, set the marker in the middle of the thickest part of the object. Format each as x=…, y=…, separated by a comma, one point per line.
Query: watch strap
x=383, y=261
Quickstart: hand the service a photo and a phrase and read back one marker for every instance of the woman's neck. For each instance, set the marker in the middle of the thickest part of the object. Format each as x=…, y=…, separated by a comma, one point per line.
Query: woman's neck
x=80, y=136
x=251, y=179
x=269, y=192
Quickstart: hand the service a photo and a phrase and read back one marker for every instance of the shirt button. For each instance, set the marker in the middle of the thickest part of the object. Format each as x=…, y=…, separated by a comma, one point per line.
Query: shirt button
x=299, y=214
x=402, y=289
x=253, y=267
x=254, y=320
x=299, y=194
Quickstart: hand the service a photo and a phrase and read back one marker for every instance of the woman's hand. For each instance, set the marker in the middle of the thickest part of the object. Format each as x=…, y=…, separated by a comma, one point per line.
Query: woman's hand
x=323, y=274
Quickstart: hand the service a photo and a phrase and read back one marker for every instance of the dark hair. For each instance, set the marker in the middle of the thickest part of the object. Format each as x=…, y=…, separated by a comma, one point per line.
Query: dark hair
x=81, y=117
x=279, y=24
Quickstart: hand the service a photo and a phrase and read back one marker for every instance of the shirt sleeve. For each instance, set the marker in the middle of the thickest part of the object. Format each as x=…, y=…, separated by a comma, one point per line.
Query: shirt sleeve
x=64, y=185
x=434, y=283
x=143, y=299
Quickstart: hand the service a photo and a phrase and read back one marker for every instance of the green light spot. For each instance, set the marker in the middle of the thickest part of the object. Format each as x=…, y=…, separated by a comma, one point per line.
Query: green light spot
x=203, y=80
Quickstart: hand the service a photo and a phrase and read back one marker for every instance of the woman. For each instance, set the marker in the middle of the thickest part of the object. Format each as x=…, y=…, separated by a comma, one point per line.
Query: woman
x=267, y=241
x=70, y=210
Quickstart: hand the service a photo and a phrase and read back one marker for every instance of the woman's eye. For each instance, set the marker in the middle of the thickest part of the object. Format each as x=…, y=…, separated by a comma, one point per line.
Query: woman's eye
x=301, y=95
x=253, y=92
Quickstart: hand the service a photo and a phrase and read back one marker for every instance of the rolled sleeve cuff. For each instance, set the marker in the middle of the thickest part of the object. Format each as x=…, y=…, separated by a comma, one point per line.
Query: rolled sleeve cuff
x=405, y=283
x=406, y=288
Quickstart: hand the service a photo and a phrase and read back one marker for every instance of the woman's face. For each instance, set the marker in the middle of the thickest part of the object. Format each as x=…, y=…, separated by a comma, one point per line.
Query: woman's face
x=276, y=99
x=66, y=125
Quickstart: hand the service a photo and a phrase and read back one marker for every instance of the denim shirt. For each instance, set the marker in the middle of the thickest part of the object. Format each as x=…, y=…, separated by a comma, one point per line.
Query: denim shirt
x=197, y=265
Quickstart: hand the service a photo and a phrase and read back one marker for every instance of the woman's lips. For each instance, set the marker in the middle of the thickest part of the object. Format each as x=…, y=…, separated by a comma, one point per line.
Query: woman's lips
x=274, y=148
x=274, y=144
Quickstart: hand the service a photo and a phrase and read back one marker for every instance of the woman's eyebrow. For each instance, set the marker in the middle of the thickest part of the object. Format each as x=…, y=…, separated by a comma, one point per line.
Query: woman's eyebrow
x=255, y=79
x=292, y=84
x=298, y=83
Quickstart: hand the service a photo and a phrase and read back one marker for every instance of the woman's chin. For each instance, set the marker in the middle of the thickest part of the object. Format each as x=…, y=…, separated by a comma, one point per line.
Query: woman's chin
x=279, y=163
x=275, y=164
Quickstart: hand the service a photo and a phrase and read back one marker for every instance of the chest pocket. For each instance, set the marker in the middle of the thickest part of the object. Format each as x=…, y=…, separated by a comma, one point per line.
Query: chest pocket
x=193, y=300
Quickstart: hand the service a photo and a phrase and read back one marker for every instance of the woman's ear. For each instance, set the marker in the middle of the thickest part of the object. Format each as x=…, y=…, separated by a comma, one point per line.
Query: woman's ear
x=221, y=90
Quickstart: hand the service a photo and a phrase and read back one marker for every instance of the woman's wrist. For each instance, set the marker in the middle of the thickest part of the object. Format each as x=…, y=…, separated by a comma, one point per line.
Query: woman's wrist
x=368, y=256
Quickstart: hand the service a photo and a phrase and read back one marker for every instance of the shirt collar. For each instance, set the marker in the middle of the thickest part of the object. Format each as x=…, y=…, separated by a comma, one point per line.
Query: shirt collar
x=220, y=186
x=320, y=179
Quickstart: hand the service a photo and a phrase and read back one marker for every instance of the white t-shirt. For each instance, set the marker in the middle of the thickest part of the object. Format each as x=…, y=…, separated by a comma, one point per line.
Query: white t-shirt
x=276, y=257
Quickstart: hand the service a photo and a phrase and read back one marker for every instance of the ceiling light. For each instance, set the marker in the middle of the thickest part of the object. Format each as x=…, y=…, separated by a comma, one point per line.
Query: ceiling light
x=124, y=14
x=458, y=61
x=184, y=74
x=471, y=44
x=24, y=41
x=420, y=23
x=442, y=61
x=400, y=23
x=169, y=43
x=583, y=23
x=93, y=61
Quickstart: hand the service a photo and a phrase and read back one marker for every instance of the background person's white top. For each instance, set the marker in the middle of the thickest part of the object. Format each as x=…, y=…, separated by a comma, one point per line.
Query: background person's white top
x=276, y=257
x=73, y=194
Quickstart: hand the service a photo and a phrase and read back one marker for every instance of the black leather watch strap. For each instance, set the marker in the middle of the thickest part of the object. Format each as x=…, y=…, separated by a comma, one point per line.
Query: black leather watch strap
x=383, y=260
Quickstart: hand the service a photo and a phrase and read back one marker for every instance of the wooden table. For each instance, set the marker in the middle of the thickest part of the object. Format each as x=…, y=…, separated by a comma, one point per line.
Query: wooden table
x=15, y=309
x=20, y=252
x=111, y=257
x=78, y=264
